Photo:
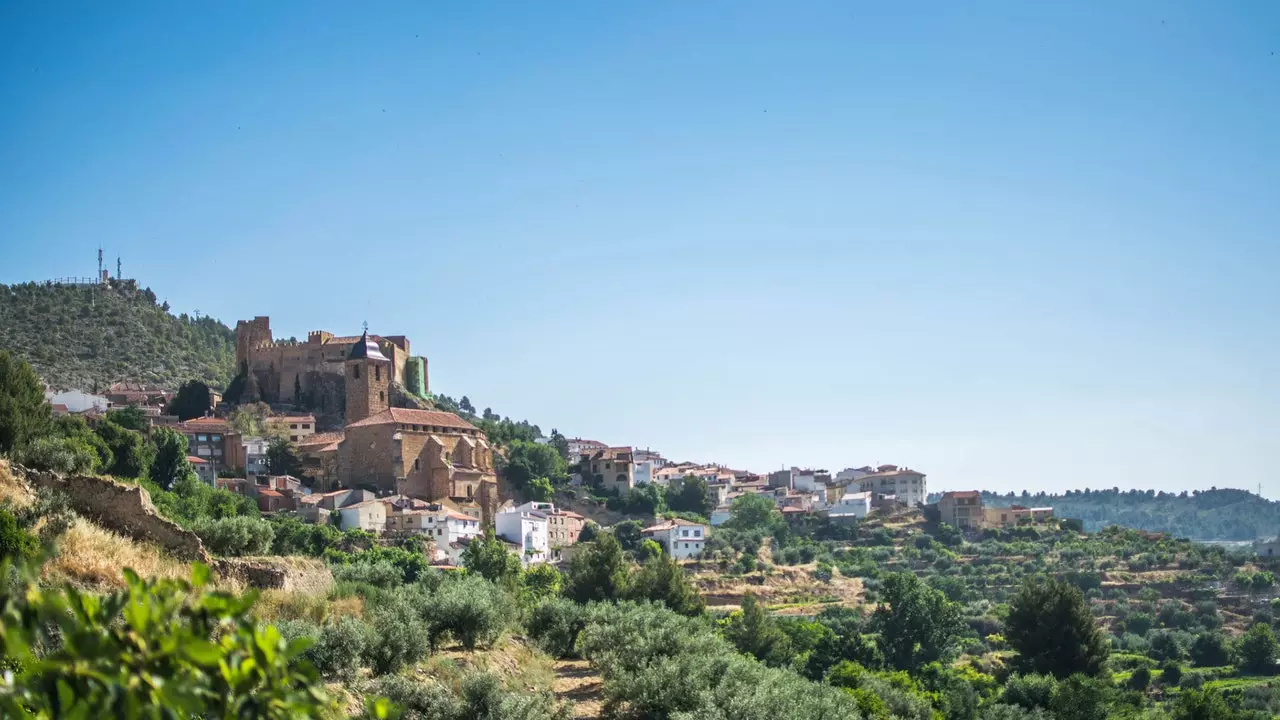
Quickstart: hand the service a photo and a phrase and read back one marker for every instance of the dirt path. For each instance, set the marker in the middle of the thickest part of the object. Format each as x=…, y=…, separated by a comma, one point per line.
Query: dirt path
x=576, y=682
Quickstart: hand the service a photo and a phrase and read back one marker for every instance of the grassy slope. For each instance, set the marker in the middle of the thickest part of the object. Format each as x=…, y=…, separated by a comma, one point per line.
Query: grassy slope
x=78, y=337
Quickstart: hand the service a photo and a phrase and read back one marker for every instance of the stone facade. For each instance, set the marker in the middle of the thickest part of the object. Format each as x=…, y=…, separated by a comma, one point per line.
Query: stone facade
x=368, y=387
x=280, y=366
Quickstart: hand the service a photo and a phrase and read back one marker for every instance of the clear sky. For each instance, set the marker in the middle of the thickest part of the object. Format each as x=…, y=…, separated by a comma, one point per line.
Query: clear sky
x=1011, y=244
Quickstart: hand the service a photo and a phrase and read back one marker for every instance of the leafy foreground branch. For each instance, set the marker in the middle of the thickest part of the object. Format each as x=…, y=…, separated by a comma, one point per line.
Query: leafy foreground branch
x=157, y=649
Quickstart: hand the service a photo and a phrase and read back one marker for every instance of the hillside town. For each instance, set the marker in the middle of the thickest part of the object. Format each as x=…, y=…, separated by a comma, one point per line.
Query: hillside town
x=390, y=465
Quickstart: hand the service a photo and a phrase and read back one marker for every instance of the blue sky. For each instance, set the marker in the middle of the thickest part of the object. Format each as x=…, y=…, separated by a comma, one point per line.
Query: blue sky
x=1015, y=245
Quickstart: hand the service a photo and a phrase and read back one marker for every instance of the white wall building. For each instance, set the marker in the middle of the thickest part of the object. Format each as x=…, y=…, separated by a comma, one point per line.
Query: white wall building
x=852, y=475
x=907, y=484
x=369, y=515
x=526, y=528
x=255, y=456
x=681, y=539
x=857, y=504
x=808, y=480
x=78, y=401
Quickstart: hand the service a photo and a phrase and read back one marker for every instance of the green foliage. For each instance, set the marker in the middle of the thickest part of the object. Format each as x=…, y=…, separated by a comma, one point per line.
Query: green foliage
x=1031, y=691
x=599, y=572
x=540, y=490
x=752, y=512
x=131, y=418
x=131, y=453
x=24, y=414
x=916, y=623
x=528, y=460
x=192, y=400
x=1201, y=705
x=235, y=535
x=480, y=696
x=294, y=537
x=469, y=609
x=191, y=500
x=1139, y=680
x=661, y=579
x=403, y=634
x=1053, y=631
x=78, y=336
x=58, y=454
x=541, y=581
x=283, y=458
x=161, y=648
x=690, y=494
x=488, y=557
x=1209, y=649
x=554, y=625
x=1080, y=697
x=16, y=544
x=170, y=464
x=1259, y=650
x=753, y=632
x=628, y=534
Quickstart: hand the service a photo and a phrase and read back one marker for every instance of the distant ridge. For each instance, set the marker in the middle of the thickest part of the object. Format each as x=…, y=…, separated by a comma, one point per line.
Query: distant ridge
x=88, y=336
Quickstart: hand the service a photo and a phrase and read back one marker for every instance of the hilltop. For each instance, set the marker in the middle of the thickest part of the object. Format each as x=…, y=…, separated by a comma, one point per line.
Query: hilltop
x=87, y=336
x=1215, y=514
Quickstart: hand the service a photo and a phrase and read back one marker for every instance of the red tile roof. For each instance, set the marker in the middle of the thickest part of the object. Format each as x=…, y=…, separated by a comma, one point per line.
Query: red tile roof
x=196, y=460
x=403, y=416
x=268, y=492
x=324, y=438
x=961, y=494
x=61, y=409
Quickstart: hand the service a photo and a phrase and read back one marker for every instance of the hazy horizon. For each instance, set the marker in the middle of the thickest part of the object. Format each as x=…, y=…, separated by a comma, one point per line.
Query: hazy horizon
x=1014, y=247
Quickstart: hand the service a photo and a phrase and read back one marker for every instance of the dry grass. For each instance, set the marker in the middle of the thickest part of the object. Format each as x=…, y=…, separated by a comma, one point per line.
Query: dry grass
x=520, y=667
x=12, y=491
x=91, y=557
x=278, y=605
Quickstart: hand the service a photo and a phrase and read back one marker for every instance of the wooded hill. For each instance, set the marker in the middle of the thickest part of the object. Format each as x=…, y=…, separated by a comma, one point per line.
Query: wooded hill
x=89, y=336
x=1203, y=515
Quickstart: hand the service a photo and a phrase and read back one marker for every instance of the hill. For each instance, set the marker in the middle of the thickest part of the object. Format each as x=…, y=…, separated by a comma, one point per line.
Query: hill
x=82, y=336
x=1202, y=515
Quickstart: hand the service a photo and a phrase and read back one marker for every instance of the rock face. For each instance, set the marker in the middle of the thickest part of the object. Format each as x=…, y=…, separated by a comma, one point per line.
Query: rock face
x=306, y=575
x=126, y=509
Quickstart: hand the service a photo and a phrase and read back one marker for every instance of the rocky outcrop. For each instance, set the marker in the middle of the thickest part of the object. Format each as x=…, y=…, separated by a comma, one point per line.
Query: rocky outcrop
x=126, y=509
x=291, y=574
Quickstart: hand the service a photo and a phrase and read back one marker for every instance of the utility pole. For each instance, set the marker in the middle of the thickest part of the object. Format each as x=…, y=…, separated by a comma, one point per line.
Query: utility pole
x=118, y=267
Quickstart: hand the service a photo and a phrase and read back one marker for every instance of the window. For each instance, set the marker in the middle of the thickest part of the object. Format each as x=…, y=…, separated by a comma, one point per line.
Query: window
x=293, y=438
x=355, y=371
x=684, y=533
x=697, y=532
x=306, y=426
x=417, y=464
x=216, y=438
x=293, y=426
x=202, y=438
x=382, y=397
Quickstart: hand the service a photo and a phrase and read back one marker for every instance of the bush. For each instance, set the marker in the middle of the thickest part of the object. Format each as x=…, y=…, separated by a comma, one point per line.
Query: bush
x=16, y=543
x=1170, y=673
x=471, y=609
x=554, y=626
x=400, y=635
x=1140, y=679
x=1030, y=691
x=235, y=535
x=339, y=647
x=480, y=696
x=67, y=456
x=381, y=574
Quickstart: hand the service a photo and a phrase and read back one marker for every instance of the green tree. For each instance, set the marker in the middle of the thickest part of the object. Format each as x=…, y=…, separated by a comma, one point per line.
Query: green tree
x=131, y=418
x=1209, y=649
x=150, y=651
x=1079, y=697
x=1200, y=705
x=283, y=458
x=24, y=414
x=170, y=464
x=192, y=400
x=74, y=428
x=917, y=624
x=487, y=556
x=661, y=579
x=465, y=405
x=131, y=454
x=541, y=582
x=629, y=535
x=692, y=496
x=1053, y=631
x=752, y=512
x=561, y=444
x=1259, y=650
x=755, y=633
x=527, y=460
x=599, y=572
x=540, y=490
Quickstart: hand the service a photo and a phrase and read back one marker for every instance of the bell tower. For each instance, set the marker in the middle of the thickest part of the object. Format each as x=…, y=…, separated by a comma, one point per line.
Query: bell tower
x=368, y=379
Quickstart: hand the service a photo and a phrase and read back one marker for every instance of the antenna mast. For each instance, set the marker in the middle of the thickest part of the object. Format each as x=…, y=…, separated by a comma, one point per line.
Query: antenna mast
x=99, y=263
x=118, y=276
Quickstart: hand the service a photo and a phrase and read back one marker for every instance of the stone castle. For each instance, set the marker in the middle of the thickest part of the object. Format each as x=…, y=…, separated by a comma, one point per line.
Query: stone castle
x=424, y=454
x=282, y=368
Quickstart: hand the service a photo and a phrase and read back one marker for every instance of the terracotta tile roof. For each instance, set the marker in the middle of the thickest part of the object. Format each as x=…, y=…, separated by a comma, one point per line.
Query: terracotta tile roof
x=293, y=418
x=403, y=416
x=323, y=438
x=961, y=494
x=60, y=409
x=206, y=423
x=568, y=513
x=196, y=460
x=268, y=492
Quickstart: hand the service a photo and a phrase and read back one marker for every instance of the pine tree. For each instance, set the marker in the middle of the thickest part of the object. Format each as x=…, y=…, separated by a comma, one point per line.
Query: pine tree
x=1053, y=630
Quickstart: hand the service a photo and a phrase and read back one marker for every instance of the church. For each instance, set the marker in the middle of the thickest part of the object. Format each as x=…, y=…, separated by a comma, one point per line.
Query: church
x=424, y=454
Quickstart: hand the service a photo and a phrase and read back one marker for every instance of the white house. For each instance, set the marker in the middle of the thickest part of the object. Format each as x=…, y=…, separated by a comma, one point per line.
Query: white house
x=809, y=481
x=853, y=475
x=369, y=515
x=526, y=528
x=857, y=504
x=255, y=456
x=681, y=539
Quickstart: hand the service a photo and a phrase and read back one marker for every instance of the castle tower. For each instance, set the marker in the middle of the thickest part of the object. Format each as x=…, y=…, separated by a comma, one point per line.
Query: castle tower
x=368, y=376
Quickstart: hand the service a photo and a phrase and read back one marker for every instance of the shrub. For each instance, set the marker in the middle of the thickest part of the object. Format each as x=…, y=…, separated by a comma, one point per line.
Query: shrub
x=380, y=574
x=554, y=626
x=471, y=610
x=1209, y=649
x=1030, y=691
x=1170, y=673
x=400, y=636
x=235, y=535
x=67, y=456
x=15, y=543
x=1140, y=679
